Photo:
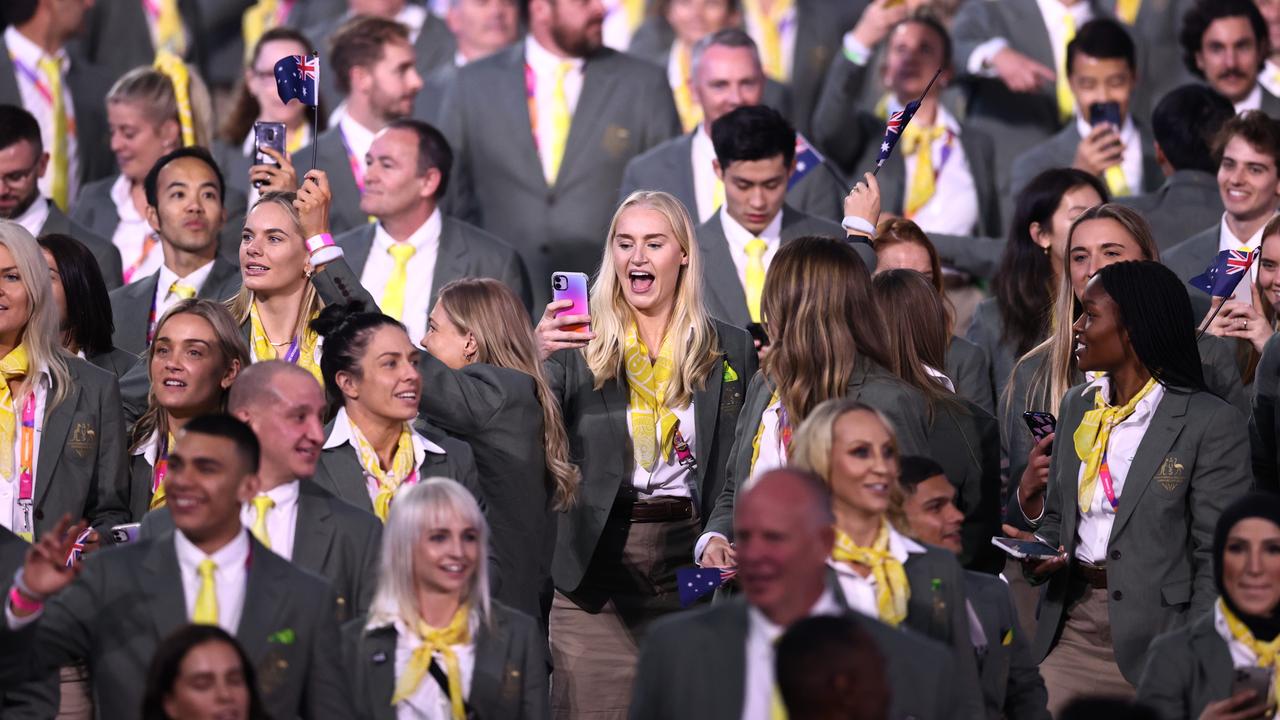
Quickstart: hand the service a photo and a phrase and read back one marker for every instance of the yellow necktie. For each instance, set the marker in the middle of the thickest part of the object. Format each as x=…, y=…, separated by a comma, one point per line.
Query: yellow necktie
x=182, y=290
x=258, y=19
x=770, y=26
x=892, y=589
x=1116, y=183
x=1066, y=100
x=1266, y=652
x=560, y=120
x=13, y=367
x=438, y=641
x=1127, y=10
x=169, y=34
x=51, y=69
x=1094, y=432
x=690, y=111
x=206, y=612
x=393, y=295
x=918, y=140
x=261, y=505
x=755, y=276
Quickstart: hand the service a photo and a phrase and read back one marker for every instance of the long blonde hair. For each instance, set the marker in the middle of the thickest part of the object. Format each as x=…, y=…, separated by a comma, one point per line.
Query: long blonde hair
x=153, y=91
x=611, y=315
x=242, y=301
x=492, y=313
x=42, y=335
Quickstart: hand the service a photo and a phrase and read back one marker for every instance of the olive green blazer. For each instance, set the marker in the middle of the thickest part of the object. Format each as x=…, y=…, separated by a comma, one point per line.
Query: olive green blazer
x=1186, y=670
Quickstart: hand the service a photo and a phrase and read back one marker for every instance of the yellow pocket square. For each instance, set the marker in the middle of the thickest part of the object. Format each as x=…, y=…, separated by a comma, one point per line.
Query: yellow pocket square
x=729, y=374
x=1008, y=638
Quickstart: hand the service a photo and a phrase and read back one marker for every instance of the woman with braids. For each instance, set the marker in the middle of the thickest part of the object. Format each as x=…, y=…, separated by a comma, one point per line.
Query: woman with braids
x=484, y=383
x=1147, y=458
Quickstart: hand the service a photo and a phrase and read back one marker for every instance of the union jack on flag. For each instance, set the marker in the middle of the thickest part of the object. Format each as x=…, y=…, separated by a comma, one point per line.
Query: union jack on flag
x=807, y=160
x=893, y=130
x=298, y=76
x=1228, y=269
x=77, y=548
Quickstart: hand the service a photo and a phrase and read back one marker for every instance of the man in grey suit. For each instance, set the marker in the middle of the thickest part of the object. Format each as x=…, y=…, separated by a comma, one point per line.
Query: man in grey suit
x=23, y=162
x=1208, y=28
x=1183, y=127
x=184, y=198
x=39, y=29
x=716, y=662
x=408, y=171
x=115, y=608
x=548, y=183
x=120, y=35
x=373, y=64
x=1101, y=66
x=481, y=28
x=726, y=75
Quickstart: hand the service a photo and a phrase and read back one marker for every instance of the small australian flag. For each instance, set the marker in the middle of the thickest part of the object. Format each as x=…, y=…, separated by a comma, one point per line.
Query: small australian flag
x=807, y=160
x=1221, y=278
x=695, y=582
x=298, y=76
x=893, y=130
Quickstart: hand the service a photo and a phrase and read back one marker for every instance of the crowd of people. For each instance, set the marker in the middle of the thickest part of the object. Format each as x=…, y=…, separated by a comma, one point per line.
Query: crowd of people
x=640, y=359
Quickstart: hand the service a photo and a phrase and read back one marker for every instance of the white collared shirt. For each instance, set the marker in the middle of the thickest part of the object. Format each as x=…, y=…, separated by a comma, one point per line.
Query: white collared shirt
x=702, y=154
x=1252, y=101
x=860, y=592
x=773, y=453
x=282, y=520
x=164, y=299
x=35, y=216
x=357, y=139
x=380, y=266
x=131, y=233
x=1093, y=530
x=11, y=514
x=429, y=702
x=1131, y=160
x=342, y=434
x=940, y=376
x=669, y=478
x=1228, y=241
x=412, y=16
x=953, y=208
x=229, y=577
x=738, y=237
x=545, y=68
x=26, y=56
x=1054, y=14
x=762, y=638
x=786, y=34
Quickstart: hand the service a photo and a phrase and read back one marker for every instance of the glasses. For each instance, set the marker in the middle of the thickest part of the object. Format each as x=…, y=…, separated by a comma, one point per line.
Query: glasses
x=17, y=177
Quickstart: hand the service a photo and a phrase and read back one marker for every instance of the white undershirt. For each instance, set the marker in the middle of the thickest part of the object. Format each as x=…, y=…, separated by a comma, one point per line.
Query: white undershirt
x=229, y=578
x=429, y=702
x=1252, y=101
x=1131, y=160
x=669, y=478
x=35, y=216
x=761, y=642
x=702, y=154
x=786, y=35
x=953, y=208
x=343, y=434
x=12, y=516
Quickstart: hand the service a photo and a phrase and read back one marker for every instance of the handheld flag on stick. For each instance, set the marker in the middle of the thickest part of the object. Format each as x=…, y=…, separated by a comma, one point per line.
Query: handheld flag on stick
x=693, y=583
x=898, y=123
x=298, y=76
x=1220, y=279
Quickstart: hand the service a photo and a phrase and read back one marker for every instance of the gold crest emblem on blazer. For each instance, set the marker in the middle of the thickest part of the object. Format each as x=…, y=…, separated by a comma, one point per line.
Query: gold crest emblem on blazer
x=83, y=439
x=1171, y=473
x=616, y=140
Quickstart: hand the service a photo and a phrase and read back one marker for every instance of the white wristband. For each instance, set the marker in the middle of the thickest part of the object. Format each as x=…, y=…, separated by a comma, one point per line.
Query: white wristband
x=859, y=225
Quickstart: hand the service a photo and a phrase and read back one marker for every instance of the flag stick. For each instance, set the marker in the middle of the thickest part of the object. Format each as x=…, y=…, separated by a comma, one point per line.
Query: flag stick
x=315, y=128
x=1209, y=321
x=928, y=87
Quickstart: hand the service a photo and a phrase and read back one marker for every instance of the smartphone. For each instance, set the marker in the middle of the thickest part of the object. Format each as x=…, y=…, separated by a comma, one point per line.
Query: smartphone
x=1041, y=424
x=1259, y=681
x=127, y=533
x=571, y=286
x=758, y=334
x=271, y=134
x=1024, y=549
x=1105, y=112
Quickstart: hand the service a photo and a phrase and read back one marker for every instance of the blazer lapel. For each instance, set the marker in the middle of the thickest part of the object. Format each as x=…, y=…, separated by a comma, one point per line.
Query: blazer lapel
x=9, y=92
x=706, y=408
x=679, y=173
x=491, y=660
x=894, y=183
x=313, y=533
x=219, y=274
x=57, y=426
x=509, y=90
x=616, y=399
x=1163, y=430
x=263, y=596
x=161, y=581
x=721, y=273
x=332, y=152
x=356, y=246
x=597, y=88
x=139, y=295
x=348, y=477
x=451, y=259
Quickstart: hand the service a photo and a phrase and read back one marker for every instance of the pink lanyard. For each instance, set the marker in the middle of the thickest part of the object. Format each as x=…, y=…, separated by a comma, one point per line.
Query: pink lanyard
x=162, y=466
x=1108, y=487
x=26, y=483
x=34, y=78
x=357, y=170
x=531, y=96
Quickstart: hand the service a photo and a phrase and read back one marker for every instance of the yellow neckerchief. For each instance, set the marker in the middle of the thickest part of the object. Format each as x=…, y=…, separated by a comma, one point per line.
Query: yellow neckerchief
x=264, y=350
x=1093, y=434
x=159, y=469
x=13, y=366
x=892, y=589
x=755, y=442
x=649, y=383
x=389, y=480
x=438, y=640
x=1264, y=651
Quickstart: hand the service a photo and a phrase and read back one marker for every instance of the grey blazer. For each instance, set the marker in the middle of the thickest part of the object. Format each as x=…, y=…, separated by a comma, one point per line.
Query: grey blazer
x=1160, y=66
x=1187, y=669
x=509, y=680
x=497, y=412
x=1190, y=257
x=1188, y=199
x=969, y=369
x=723, y=292
x=128, y=599
x=117, y=361
x=1011, y=682
x=820, y=29
x=987, y=331
x=465, y=251
x=1189, y=466
x=116, y=37
x=624, y=109
x=965, y=440
x=693, y=664
x=1263, y=427
x=1060, y=151
x=104, y=252
x=596, y=421
x=871, y=384
x=669, y=167
x=131, y=304
x=331, y=157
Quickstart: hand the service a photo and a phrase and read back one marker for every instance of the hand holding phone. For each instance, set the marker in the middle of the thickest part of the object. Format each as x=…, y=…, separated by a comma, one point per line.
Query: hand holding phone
x=571, y=286
x=1041, y=424
x=566, y=322
x=270, y=135
x=1025, y=549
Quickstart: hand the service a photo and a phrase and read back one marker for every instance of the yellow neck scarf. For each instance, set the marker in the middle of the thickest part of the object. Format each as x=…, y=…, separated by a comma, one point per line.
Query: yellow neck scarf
x=1265, y=651
x=264, y=350
x=438, y=640
x=1094, y=432
x=13, y=366
x=651, y=419
x=892, y=589
x=158, y=473
x=388, y=480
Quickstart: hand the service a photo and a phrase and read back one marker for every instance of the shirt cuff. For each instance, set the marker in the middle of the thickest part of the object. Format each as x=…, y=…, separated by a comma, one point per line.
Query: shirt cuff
x=859, y=225
x=701, y=545
x=980, y=59
x=854, y=51
x=1033, y=521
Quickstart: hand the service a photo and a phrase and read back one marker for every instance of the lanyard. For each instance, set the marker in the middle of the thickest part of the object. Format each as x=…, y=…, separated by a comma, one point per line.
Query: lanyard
x=26, y=483
x=294, y=352
x=34, y=78
x=148, y=244
x=1108, y=487
x=684, y=454
x=357, y=169
x=162, y=465
x=531, y=97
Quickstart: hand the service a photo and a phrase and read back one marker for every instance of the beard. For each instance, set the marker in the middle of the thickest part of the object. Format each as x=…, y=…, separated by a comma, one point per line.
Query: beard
x=21, y=207
x=578, y=43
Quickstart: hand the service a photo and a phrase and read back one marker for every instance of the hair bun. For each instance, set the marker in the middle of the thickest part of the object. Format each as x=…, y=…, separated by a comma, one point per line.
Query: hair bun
x=332, y=318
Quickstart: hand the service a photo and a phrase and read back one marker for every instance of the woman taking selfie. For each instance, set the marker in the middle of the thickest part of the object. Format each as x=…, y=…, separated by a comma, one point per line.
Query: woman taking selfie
x=1148, y=459
x=373, y=444
x=828, y=341
x=486, y=387
x=650, y=403
x=84, y=308
x=881, y=572
x=192, y=362
x=432, y=611
x=1192, y=672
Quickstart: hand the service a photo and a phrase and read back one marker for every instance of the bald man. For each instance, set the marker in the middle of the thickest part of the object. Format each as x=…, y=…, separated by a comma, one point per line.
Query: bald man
x=716, y=662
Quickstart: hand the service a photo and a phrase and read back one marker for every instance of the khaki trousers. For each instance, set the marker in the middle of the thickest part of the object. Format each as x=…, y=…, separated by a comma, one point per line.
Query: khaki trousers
x=1083, y=662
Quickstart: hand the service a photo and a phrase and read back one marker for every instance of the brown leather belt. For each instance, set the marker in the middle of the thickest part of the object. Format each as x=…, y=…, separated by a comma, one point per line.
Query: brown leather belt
x=1095, y=576
x=655, y=510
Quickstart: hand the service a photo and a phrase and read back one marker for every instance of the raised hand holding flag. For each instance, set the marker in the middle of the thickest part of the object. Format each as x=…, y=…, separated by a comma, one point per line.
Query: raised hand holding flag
x=1220, y=279
x=298, y=76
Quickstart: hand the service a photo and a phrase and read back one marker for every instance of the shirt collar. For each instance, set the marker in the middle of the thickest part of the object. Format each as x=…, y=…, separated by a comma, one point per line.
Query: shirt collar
x=941, y=377
x=1224, y=231
x=357, y=137
x=543, y=61
x=29, y=53
x=739, y=236
x=195, y=279
x=35, y=216
x=284, y=496
x=760, y=623
x=427, y=234
x=1145, y=407
x=233, y=554
x=123, y=202
x=1054, y=11
x=341, y=435
x=702, y=145
x=1252, y=101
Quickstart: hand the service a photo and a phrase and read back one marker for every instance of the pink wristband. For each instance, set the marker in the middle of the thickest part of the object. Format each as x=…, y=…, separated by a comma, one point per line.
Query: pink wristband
x=319, y=242
x=22, y=604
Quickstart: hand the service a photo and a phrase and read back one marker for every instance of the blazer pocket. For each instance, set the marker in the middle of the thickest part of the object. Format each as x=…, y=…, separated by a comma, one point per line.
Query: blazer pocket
x=1176, y=593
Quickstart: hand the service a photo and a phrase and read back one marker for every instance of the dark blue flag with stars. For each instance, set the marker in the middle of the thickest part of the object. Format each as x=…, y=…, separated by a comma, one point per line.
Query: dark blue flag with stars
x=1221, y=278
x=298, y=76
x=696, y=582
x=893, y=129
x=807, y=160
